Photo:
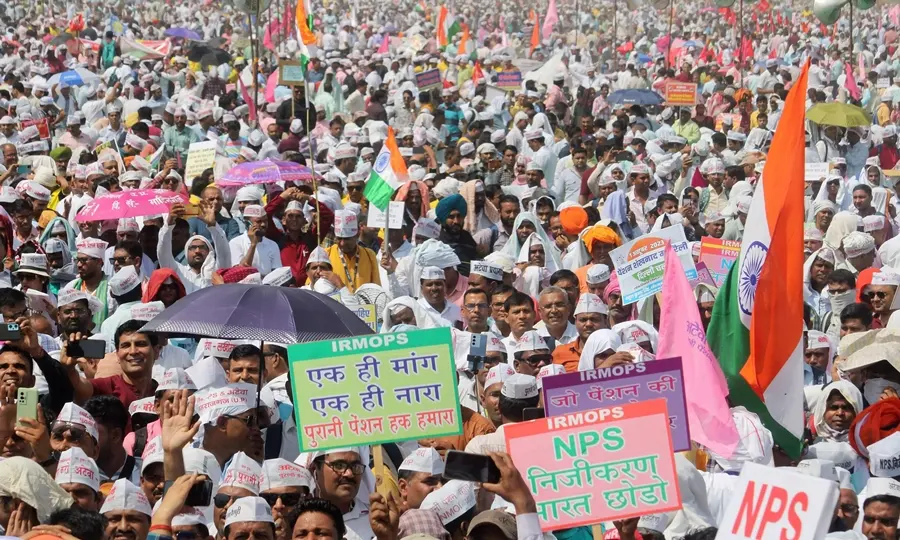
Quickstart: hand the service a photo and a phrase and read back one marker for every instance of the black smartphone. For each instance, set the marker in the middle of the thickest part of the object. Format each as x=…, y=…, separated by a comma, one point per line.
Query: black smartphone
x=200, y=494
x=86, y=348
x=471, y=467
x=10, y=332
x=532, y=413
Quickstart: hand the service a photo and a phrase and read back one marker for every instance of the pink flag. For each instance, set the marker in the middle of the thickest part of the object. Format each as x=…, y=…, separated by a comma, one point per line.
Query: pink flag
x=550, y=19
x=385, y=46
x=247, y=99
x=850, y=83
x=271, y=83
x=894, y=14
x=861, y=64
x=681, y=334
x=267, y=38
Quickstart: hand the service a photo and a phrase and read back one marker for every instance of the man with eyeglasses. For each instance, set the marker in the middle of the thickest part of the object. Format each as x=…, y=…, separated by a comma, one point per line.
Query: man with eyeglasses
x=74, y=427
x=240, y=479
x=531, y=354
x=356, y=182
x=476, y=311
x=228, y=415
x=338, y=476
x=880, y=294
x=283, y=485
x=555, y=327
x=127, y=512
x=91, y=279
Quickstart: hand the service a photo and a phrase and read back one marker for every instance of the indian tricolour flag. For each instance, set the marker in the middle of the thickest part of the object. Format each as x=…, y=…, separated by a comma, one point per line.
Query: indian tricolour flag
x=756, y=330
x=447, y=26
x=304, y=32
x=387, y=174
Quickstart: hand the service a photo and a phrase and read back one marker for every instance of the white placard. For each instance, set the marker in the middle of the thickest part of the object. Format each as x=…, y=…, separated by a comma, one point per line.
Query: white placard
x=639, y=263
x=376, y=218
x=815, y=172
x=201, y=156
x=883, y=82
x=775, y=503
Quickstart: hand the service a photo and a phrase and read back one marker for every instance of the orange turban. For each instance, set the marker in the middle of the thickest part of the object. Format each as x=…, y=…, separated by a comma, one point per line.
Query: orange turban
x=874, y=423
x=600, y=233
x=573, y=219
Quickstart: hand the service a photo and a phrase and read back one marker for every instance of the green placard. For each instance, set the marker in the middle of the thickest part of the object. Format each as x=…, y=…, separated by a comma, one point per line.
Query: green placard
x=374, y=389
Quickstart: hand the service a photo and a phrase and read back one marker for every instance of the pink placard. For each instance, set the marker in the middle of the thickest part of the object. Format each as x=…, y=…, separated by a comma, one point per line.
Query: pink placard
x=598, y=465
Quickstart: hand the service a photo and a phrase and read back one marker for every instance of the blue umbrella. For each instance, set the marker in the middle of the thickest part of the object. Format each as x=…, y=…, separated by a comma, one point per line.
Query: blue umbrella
x=185, y=33
x=634, y=97
x=73, y=77
x=259, y=312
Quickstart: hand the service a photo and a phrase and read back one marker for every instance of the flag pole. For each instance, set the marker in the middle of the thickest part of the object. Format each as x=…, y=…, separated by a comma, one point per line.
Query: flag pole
x=850, y=46
x=615, y=33
x=671, y=16
x=741, y=43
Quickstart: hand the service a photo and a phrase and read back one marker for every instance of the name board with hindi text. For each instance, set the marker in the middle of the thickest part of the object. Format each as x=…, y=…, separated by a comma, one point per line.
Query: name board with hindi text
x=815, y=172
x=778, y=503
x=679, y=94
x=719, y=255
x=291, y=74
x=639, y=263
x=627, y=383
x=509, y=80
x=201, y=156
x=373, y=389
x=597, y=465
x=428, y=80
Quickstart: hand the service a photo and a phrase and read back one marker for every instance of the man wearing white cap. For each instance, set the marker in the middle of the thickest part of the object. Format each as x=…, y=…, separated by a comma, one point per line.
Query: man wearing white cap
x=202, y=256
x=91, y=279
x=531, y=353
x=228, y=416
x=343, y=478
x=541, y=155
x=590, y=315
x=115, y=130
x=517, y=393
x=353, y=264
x=78, y=475
x=491, y=385
x=713, y=198
x=127, y=511
x=125, y=288
x=418, y=475
x=433, y=297
x=485, y=275
x=283, y=485
x=253, y=248
x=249, y=518
x=240, y=479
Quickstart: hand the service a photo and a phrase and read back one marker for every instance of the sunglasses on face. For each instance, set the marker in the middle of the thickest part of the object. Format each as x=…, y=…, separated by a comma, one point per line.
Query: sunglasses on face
x=878, y=294
x=74, y=434
x=538, y=358
x=222, y=500
x=287, y=499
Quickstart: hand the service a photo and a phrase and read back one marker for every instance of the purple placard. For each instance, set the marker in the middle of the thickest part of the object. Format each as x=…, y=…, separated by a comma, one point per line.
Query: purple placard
x=626, y=383
x=509, y=80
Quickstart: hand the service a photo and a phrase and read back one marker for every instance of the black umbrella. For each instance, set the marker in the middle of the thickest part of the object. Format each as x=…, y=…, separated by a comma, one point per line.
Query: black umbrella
x=259, y=312
x=208, y=56
x=62, y=39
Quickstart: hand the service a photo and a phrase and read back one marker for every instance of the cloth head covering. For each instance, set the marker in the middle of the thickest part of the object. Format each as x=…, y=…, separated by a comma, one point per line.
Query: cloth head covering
x=70, y=233
x=824, y=432
x=423, y=320
x=431, y=252
x=874, y=423
x=425, y=195
x=755, y=443
x=449, y=204
x=278, y=472
x=249, y=509
x=467, y=191
x=637, y=331
x=24, y=479
x=615, y=209
x=842, y=224
x=601, y=340
x=75, y=467
x=513, y=247
x=426, y=460
x=600, y=233
x=573, y=219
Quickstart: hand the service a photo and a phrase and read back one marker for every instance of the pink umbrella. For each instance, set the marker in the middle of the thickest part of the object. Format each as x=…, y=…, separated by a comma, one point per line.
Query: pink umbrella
x=267, y=171
x=126, y=204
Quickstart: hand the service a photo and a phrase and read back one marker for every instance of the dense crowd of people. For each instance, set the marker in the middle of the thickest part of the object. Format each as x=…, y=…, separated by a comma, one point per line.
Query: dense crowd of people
x=546, y=143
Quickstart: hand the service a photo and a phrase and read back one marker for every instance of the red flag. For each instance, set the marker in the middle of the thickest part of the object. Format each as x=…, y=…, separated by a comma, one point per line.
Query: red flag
x=764, y=5
x=247, y=99
x=747, y=49
x=477, y=74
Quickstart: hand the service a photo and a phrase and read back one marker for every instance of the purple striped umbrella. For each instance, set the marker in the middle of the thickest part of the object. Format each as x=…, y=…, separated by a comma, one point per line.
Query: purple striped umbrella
x=267, y=171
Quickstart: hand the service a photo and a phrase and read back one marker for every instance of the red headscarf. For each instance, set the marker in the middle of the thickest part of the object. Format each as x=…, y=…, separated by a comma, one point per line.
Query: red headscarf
x=157, y=278
x=874, y=423
x=864, y=278
x=236, y=273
